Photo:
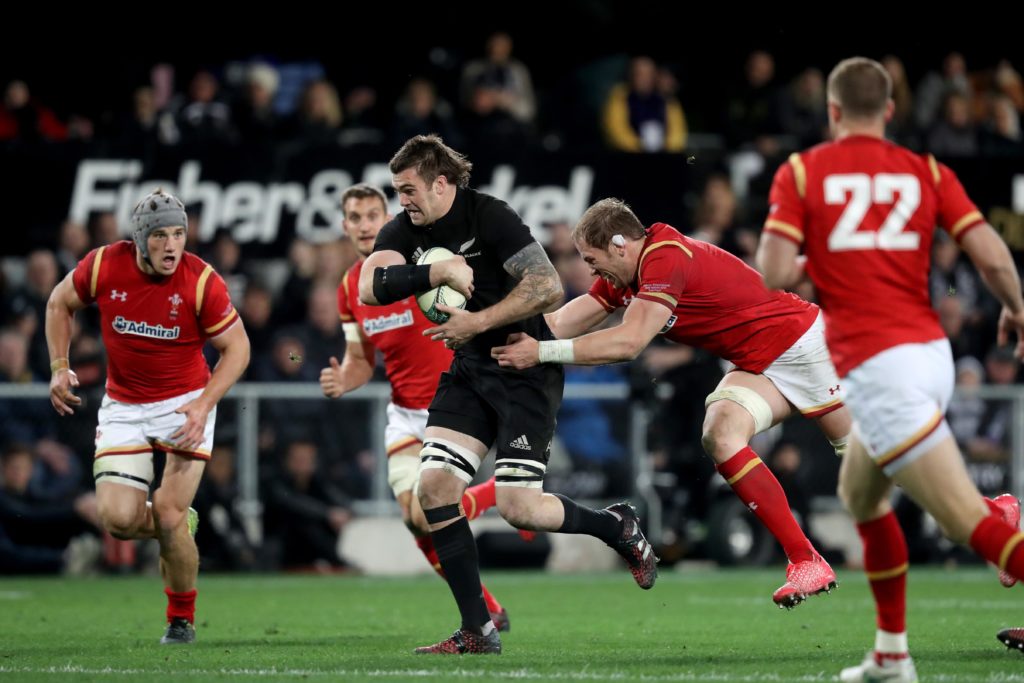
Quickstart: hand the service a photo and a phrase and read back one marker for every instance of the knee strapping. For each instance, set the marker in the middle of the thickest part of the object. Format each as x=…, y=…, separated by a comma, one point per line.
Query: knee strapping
x=750, y=400
x=840, y=444
x=441, y=454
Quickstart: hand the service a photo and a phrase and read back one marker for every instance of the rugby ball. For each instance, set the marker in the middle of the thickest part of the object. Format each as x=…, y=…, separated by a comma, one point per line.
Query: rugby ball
x=442, y=294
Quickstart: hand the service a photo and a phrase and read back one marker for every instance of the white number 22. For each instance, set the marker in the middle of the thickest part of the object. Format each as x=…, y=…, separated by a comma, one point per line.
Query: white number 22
x=859, y=191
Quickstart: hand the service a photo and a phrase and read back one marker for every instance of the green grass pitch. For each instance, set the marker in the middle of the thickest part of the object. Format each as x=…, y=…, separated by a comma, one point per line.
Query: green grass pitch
x=693, y=626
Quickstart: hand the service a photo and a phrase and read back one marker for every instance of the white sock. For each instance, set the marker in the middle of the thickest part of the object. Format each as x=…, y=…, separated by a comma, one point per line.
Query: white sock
x=487, y=628
x=890, y=643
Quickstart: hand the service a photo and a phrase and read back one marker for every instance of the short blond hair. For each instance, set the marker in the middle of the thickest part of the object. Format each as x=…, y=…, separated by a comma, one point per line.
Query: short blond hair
x=860, y=86
x=606, y=218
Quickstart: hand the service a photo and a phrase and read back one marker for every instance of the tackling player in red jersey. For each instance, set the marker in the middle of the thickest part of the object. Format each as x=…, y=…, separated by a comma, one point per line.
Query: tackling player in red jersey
x=158, y=307
x=694, y=293
x=413, y=364
x=864, y=210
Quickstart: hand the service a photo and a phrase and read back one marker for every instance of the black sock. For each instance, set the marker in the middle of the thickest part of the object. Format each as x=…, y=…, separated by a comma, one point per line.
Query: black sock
x=582, y=520
x=456, y=551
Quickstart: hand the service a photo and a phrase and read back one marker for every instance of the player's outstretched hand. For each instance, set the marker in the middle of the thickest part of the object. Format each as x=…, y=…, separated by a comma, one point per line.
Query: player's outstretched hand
x=1012, y=323
x=61, y=384
x=520, y=352
x=330, y=380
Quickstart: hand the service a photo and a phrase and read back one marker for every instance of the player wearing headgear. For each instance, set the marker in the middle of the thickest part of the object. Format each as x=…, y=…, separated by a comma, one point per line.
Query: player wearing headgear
x=158, y=307
x=694, y=293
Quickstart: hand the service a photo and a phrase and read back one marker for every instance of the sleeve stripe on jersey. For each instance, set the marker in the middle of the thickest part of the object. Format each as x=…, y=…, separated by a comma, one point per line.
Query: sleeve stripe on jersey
x=785, y=229
x=934, y=166
x=799, y=174
x=96, y=272
x=662, y=298
x=344, y=282
x=228, y=318
x=201, y=287
x=607, y=306
x=965, y=222
x=657, y=245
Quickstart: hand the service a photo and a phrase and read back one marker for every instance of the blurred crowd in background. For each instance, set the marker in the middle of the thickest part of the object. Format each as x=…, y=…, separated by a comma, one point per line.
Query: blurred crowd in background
x=271, y=112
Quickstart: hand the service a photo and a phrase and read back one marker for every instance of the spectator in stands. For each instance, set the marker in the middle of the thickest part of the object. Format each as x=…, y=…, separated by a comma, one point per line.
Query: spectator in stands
x=318, y=120
x=23, y=118
x=363, y=123
x=752, y=113
x=305, y=512
x=225, y=255
x=256, y=311
x=637, y=117
x=504, y=76
x=104, y=229
x=491, y=130
x=253, y=114
x=802, y=108
x=954, y=135
x=72, y=245
x=935, y=87
x=291, y=307
x=35, y=532
x=200, y=120
x=222, y=539
x=322, y=330
x=421, y=112
x=950, y=276
x=1001, y=135
x=901, y=127
x=137, y=134
x=22, y=420
x=41, y=276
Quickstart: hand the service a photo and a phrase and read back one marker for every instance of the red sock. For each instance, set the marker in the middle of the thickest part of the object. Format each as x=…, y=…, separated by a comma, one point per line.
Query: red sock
x=492, y=602
x=758, y=488
x=181, y=605
x=1000, y=544
x=426, y=546
x=478, y=498
x=886, y=564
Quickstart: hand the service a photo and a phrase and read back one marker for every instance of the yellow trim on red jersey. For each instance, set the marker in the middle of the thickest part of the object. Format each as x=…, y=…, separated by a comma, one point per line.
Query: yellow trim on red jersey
x=228, y=318
x=743, y=472
x=909, y=443
x=787, y=229
x=934, y=166
x=888, y=573
x=96, y=271
x=969, y=219
x=671, y=300
x=200, y=286
x=657, y=245
x=799, y=174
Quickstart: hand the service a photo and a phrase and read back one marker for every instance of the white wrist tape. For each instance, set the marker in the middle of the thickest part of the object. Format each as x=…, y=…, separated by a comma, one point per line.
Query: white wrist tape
x=557, y=351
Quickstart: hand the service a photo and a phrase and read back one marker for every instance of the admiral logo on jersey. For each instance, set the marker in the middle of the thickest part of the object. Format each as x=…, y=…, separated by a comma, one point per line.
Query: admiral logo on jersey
x=384, y=323
x=122, y=325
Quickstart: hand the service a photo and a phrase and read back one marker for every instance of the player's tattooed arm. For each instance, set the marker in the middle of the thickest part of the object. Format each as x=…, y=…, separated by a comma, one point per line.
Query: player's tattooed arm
x=539, y=284
x=539, y=289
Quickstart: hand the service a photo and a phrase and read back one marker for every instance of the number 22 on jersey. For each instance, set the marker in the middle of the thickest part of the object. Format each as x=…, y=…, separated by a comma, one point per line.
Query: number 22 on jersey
x=859, y=192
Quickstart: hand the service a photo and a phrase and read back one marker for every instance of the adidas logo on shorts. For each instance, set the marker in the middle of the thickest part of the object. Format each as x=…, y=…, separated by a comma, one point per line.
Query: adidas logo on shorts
x=521, y=443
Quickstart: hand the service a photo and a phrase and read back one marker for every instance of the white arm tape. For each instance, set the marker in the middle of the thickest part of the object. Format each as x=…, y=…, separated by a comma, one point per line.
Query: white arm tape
x=351, y=331
x=556, y=351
